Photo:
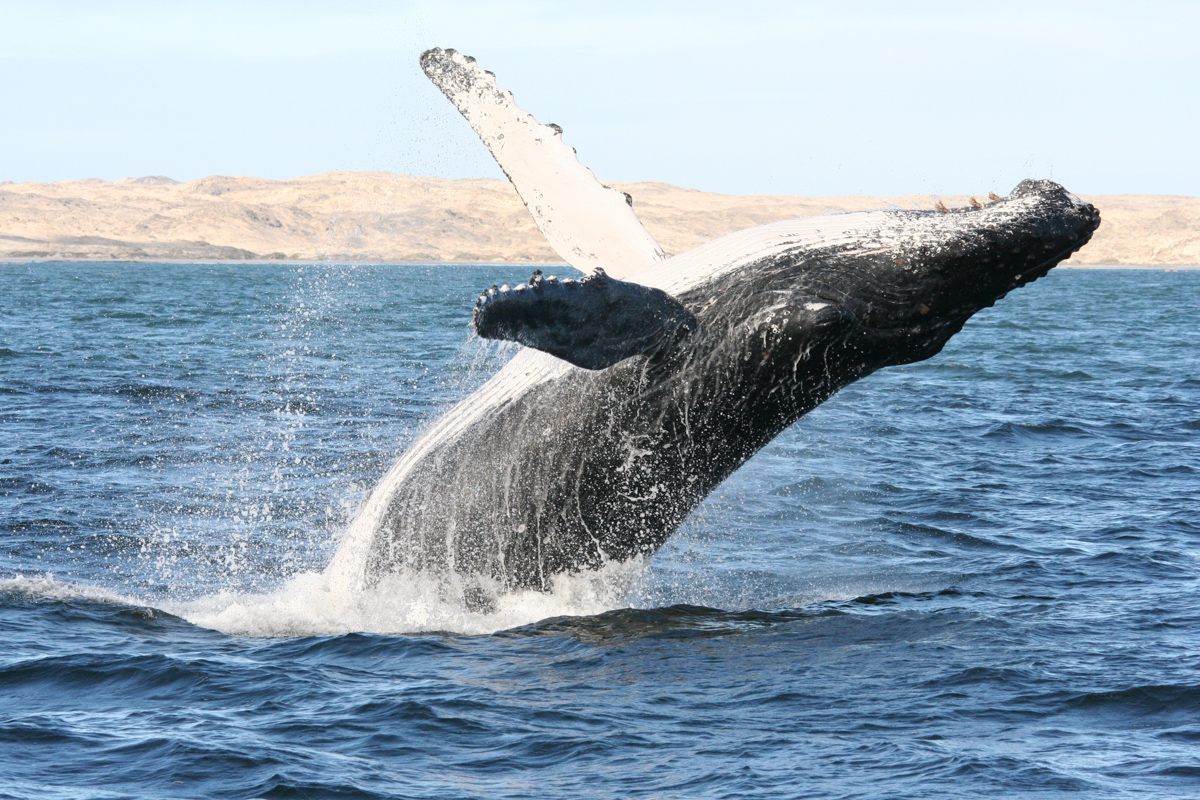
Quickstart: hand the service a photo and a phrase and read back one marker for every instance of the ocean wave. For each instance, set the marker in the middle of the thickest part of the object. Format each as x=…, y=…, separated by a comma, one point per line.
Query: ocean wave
x=47, y=587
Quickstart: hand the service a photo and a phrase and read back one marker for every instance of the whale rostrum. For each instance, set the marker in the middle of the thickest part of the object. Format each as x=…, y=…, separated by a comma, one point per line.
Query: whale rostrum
x=647, y=383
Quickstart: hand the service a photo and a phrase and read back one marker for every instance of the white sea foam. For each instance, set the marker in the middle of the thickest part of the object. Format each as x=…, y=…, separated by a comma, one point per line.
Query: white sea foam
x=310, y=604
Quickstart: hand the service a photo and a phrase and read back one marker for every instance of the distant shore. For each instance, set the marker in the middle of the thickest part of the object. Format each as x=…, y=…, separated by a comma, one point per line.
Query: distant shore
x=481, y=264
x=380, y=217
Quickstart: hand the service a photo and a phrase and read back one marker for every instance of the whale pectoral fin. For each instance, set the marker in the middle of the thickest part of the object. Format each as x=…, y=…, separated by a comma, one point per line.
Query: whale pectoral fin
x=587, y=223
x=593, y=323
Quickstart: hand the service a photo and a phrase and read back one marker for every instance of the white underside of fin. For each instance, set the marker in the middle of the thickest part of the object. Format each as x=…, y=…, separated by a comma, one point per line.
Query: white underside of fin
x=587, y=223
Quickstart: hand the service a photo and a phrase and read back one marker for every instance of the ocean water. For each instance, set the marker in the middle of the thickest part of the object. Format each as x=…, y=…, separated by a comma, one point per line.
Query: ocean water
x=975, y=576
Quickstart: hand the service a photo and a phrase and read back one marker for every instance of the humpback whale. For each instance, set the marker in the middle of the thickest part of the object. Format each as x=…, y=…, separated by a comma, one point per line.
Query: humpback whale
x=645, y=383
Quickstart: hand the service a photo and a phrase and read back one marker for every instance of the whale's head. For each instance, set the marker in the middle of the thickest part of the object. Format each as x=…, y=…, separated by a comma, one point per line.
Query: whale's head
x=902, y=291
x=856, y=292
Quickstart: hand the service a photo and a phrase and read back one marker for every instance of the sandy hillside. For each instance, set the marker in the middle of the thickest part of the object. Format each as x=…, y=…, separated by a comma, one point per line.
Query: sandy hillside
x=378, y=216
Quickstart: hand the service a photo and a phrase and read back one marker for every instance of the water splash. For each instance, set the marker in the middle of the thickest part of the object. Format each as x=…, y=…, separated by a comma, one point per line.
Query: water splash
x=314, y=604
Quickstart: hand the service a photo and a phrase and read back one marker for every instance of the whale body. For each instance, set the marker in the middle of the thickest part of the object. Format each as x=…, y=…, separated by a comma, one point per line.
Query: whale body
x=654, y=378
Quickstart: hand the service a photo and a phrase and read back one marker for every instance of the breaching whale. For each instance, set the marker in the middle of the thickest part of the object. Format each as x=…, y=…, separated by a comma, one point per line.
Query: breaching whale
x=648, y=382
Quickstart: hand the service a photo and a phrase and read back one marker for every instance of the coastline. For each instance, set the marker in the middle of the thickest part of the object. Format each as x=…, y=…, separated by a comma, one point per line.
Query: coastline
x=464, y=263
x=381, y=217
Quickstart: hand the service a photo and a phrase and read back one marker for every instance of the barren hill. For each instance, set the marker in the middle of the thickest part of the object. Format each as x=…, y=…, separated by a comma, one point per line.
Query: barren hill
x=379, y=216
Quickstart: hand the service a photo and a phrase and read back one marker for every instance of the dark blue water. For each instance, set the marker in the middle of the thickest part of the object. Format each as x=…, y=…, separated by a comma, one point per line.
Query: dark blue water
x=975, y=576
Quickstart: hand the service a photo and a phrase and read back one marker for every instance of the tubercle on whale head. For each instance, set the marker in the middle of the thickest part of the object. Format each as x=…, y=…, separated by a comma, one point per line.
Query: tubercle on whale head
x=945, y=267
x=1035, y=228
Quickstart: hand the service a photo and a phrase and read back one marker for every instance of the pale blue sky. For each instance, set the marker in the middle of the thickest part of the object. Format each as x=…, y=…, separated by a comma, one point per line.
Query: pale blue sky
x=740, y=97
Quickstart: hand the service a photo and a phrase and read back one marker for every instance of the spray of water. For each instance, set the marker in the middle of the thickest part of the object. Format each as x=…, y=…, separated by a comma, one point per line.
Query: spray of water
x=246, y=554
x=311, y=603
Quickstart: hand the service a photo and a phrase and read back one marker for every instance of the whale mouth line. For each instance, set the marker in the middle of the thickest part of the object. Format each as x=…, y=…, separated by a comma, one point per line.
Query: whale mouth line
x=1043, y=269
